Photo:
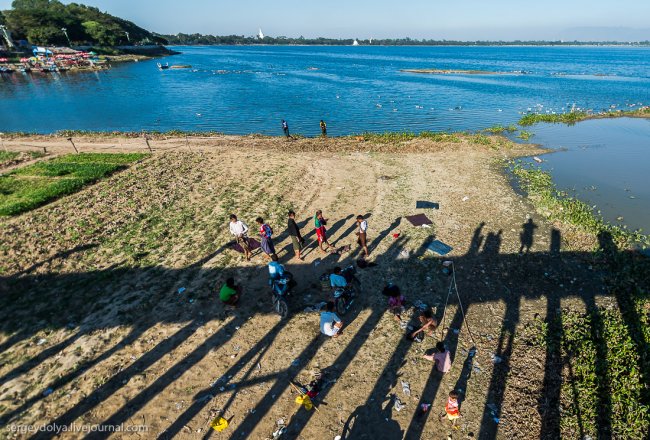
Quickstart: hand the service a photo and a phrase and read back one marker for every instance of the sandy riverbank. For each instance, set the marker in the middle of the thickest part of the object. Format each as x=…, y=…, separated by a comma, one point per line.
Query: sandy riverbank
x=90, y=309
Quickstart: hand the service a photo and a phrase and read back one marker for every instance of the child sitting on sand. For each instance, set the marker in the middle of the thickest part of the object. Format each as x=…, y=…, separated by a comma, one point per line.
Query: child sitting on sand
x=229, y=293
x=395, y=301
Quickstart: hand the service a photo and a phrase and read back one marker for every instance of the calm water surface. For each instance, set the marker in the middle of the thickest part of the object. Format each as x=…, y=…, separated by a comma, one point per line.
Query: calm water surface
x=605, y=162
x=240, y=90
x=248, y=89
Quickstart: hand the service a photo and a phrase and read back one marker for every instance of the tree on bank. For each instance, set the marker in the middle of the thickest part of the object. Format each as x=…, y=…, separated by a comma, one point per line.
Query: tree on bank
x=42, y=22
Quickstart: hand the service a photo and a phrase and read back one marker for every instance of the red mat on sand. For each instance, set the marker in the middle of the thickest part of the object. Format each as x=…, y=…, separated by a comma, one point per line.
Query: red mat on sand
x=419, y=220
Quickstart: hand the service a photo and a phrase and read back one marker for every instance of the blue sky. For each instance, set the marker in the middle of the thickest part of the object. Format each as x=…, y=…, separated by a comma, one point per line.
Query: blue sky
x=625, y=20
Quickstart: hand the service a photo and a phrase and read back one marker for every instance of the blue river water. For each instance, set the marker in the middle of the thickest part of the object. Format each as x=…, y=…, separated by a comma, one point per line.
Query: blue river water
x=250, y=89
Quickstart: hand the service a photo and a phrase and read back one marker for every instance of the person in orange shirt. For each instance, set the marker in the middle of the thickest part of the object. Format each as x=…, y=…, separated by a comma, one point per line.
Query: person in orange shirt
x=451, y=409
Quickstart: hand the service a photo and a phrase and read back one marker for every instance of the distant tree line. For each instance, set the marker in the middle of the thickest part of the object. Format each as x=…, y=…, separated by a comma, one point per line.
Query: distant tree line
x=41, y=22
x=200, y=39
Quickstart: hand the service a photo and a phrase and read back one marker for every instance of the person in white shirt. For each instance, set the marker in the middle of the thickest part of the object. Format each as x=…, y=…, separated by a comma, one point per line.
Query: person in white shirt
x=239, y=229
x=361, y=233
x=330, y=323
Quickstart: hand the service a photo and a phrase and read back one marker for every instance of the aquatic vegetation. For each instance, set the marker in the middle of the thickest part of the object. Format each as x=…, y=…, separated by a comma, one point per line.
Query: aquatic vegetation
x=525, y=135
x=499, y=129
x=34, y=185
x=601, y=375
x=577, y=116
x=561, y=206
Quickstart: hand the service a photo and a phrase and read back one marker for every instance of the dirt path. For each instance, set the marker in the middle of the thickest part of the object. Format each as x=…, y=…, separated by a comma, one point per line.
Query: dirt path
x=90, y=305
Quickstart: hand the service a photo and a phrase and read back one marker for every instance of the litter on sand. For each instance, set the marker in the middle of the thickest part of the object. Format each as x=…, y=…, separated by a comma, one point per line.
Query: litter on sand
x=219, y=424
x=406, y=388
x=422, y=204
x=439, y=247
x=419, y=220
x=496, y=359
x=181, y=290
x=398, y=404
x=404, y=254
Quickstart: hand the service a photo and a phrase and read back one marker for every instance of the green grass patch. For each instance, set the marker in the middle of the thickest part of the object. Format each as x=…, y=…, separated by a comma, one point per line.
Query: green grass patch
x=574, y=117
x=561, y=206
x=34, y=185
x=8, y=155
x=405, y=136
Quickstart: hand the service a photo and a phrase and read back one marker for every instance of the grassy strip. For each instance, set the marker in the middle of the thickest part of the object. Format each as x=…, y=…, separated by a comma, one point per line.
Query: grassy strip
x=32, y=186
x=573, y=117
x=405, y=136
x=560, y=206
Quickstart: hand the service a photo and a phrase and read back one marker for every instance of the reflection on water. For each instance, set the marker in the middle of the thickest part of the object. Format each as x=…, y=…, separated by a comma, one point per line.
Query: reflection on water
x=605, y=162
x=241, y=90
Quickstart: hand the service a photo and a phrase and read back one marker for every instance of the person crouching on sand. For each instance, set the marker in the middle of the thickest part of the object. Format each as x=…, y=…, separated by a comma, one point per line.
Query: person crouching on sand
x=330, y=323
x=428, y=324
x=441, y=358
x=321, y=231
x=230, y=293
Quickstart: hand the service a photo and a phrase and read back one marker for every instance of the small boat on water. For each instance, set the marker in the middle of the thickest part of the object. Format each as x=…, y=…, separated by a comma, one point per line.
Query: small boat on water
x=163, y=66
x=180, y=66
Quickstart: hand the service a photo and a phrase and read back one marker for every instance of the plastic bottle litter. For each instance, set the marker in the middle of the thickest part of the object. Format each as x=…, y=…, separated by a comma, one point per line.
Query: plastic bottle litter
x=47, y=392
x=181, y=289
x=406, y=389
x=41, y=341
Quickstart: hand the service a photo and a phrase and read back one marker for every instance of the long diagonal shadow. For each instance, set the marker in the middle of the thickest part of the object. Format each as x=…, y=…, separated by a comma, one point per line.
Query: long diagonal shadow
x=301, y=419
x=68, y=378
x=256, y=352
x=430, y=391
x=40, y=358
x=116, y=382
x=498, y=381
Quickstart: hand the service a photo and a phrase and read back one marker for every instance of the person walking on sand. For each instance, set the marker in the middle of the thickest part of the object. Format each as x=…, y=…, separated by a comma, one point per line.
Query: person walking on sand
x=294, y=232
x=321, y=231
x=266, y=240
x=285, y=128
x=239, y=229
x=361, y=233
x=323, y=128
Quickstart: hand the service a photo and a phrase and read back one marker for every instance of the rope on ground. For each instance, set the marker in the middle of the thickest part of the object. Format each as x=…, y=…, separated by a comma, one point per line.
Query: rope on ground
x=452, y=284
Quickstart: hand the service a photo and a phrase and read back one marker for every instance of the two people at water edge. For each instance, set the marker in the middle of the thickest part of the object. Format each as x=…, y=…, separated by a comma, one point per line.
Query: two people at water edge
x=323, y=128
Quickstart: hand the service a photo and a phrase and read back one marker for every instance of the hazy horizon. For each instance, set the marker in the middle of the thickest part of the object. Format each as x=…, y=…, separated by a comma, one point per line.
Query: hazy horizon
x=468, y=20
